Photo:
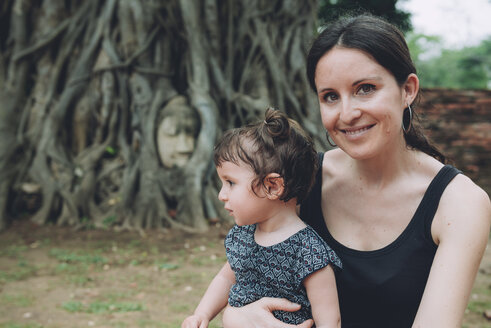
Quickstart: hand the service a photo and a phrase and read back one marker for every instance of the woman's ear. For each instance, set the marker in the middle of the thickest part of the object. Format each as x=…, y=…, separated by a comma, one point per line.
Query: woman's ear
x=411, y=88
x=274, y=186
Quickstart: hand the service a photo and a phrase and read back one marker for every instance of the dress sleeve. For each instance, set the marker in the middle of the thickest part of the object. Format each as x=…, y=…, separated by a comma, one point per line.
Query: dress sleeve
x=315, y=254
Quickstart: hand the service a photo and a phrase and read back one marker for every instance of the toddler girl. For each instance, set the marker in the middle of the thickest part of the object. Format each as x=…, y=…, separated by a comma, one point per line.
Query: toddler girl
x=267, y=169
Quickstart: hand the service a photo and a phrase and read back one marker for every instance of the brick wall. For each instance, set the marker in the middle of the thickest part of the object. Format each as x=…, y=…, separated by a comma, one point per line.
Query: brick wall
x=459, y=122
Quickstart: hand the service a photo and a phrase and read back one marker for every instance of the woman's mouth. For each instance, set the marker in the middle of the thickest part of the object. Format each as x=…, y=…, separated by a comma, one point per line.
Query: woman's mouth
x=356, y=131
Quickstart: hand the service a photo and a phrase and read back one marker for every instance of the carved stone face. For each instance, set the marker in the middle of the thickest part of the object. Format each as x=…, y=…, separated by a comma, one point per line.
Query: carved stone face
x=176, y=134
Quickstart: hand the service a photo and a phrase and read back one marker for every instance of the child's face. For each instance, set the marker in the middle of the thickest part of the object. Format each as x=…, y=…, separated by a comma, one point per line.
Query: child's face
x=239, y=199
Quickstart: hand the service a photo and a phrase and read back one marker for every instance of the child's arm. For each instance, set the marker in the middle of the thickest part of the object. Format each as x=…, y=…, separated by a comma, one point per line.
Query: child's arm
x=214, y=299
x=323, y=297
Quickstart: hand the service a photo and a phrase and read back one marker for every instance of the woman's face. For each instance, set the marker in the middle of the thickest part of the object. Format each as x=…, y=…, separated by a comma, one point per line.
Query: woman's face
x=360, y=101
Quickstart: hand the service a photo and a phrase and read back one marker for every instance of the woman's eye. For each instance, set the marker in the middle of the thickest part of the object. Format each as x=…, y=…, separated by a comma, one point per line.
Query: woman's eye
x=330, y=97
x=366, y=89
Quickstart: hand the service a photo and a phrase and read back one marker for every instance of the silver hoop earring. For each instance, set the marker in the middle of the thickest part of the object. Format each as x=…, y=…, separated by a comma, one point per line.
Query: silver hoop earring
x=407, y=117
x=329, y=140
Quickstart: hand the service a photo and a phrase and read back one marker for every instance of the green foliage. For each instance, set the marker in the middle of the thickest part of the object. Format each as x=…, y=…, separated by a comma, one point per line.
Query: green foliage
x=421, y=44
x=330, y=10
x=466, y=68
x=111, y=150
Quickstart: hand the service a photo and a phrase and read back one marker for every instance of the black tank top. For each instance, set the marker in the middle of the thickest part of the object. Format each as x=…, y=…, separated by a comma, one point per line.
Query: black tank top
x=383, y=288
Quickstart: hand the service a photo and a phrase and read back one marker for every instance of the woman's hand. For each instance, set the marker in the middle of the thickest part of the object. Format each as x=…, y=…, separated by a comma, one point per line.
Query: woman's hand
x=259, y=314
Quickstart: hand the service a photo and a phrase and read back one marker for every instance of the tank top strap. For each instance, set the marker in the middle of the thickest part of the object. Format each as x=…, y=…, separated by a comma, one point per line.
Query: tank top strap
x=431, y=199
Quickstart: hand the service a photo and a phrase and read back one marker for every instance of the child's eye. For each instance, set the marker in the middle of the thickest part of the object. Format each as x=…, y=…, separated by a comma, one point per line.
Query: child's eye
x=230, y=183
x=365, y=89
x=330, y=97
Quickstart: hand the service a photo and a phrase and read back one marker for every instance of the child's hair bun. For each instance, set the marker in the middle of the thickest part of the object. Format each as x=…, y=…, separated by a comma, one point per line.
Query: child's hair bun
x=276, y=123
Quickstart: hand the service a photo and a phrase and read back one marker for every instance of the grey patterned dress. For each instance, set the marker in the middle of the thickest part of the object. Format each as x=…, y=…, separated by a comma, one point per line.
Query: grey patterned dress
x=277, y=270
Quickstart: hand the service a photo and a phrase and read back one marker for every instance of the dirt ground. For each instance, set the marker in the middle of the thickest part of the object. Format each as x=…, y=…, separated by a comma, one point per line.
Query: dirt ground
x=56, y=277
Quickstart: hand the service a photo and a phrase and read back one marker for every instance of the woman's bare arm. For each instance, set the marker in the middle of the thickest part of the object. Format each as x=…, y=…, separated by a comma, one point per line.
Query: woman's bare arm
x=461, y=230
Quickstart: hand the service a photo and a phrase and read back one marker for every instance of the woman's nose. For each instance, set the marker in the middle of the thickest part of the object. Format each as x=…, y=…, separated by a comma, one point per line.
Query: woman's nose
x=349, y=112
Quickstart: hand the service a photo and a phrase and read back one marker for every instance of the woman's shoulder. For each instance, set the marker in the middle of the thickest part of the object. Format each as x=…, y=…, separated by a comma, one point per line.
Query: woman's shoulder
x=459, y=194
x=335, y=162
x=334, y=154
x=462, y=192
x=465, y=206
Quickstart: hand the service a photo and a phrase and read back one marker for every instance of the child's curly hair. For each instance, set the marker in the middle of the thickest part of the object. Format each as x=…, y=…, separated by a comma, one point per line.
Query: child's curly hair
x=276, y=145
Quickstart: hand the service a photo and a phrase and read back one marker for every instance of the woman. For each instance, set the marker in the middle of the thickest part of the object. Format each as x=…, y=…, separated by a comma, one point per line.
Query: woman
x=409, y=230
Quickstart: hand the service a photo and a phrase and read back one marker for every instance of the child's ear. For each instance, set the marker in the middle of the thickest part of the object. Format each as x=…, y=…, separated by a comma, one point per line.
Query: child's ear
x=274, y=187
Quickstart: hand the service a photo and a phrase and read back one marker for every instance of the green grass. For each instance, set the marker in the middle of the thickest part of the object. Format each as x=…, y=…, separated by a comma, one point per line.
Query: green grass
x=175, y=324
x=16, y=300
x=167, y=265
x=481, y=302
x=76, y=265
x=80, y=280
x=180, y=307
x=19, y=325
x=22, y=271
x=14, y=251
x=145, y=323
x=101, y=307
x=65, y=256
x=478, y=306
x=119, y=324
x=119, y=295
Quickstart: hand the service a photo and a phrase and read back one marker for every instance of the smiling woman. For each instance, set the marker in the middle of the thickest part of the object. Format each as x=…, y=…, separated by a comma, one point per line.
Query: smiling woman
x=396, y=215
x=360, y=101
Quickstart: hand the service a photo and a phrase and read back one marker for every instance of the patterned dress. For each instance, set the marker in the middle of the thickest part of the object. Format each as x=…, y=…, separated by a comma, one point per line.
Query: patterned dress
x=277, y=270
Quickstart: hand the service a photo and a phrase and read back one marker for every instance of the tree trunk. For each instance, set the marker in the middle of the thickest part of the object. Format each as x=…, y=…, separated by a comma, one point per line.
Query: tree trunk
x=109, y=110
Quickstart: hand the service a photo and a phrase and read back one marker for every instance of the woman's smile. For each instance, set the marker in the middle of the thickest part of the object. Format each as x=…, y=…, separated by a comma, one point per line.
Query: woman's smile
x=356, y=131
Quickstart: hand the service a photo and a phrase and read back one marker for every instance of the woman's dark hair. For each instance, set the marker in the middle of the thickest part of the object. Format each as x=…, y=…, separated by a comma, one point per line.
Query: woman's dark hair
x=276, y=145
x=387, y=46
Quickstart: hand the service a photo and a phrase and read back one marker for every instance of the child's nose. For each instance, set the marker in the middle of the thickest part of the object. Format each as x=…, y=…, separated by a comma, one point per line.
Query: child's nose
x=222, y=195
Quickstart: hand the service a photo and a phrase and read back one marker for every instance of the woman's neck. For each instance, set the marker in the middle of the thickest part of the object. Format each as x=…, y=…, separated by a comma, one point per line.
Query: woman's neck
x=383, y=169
